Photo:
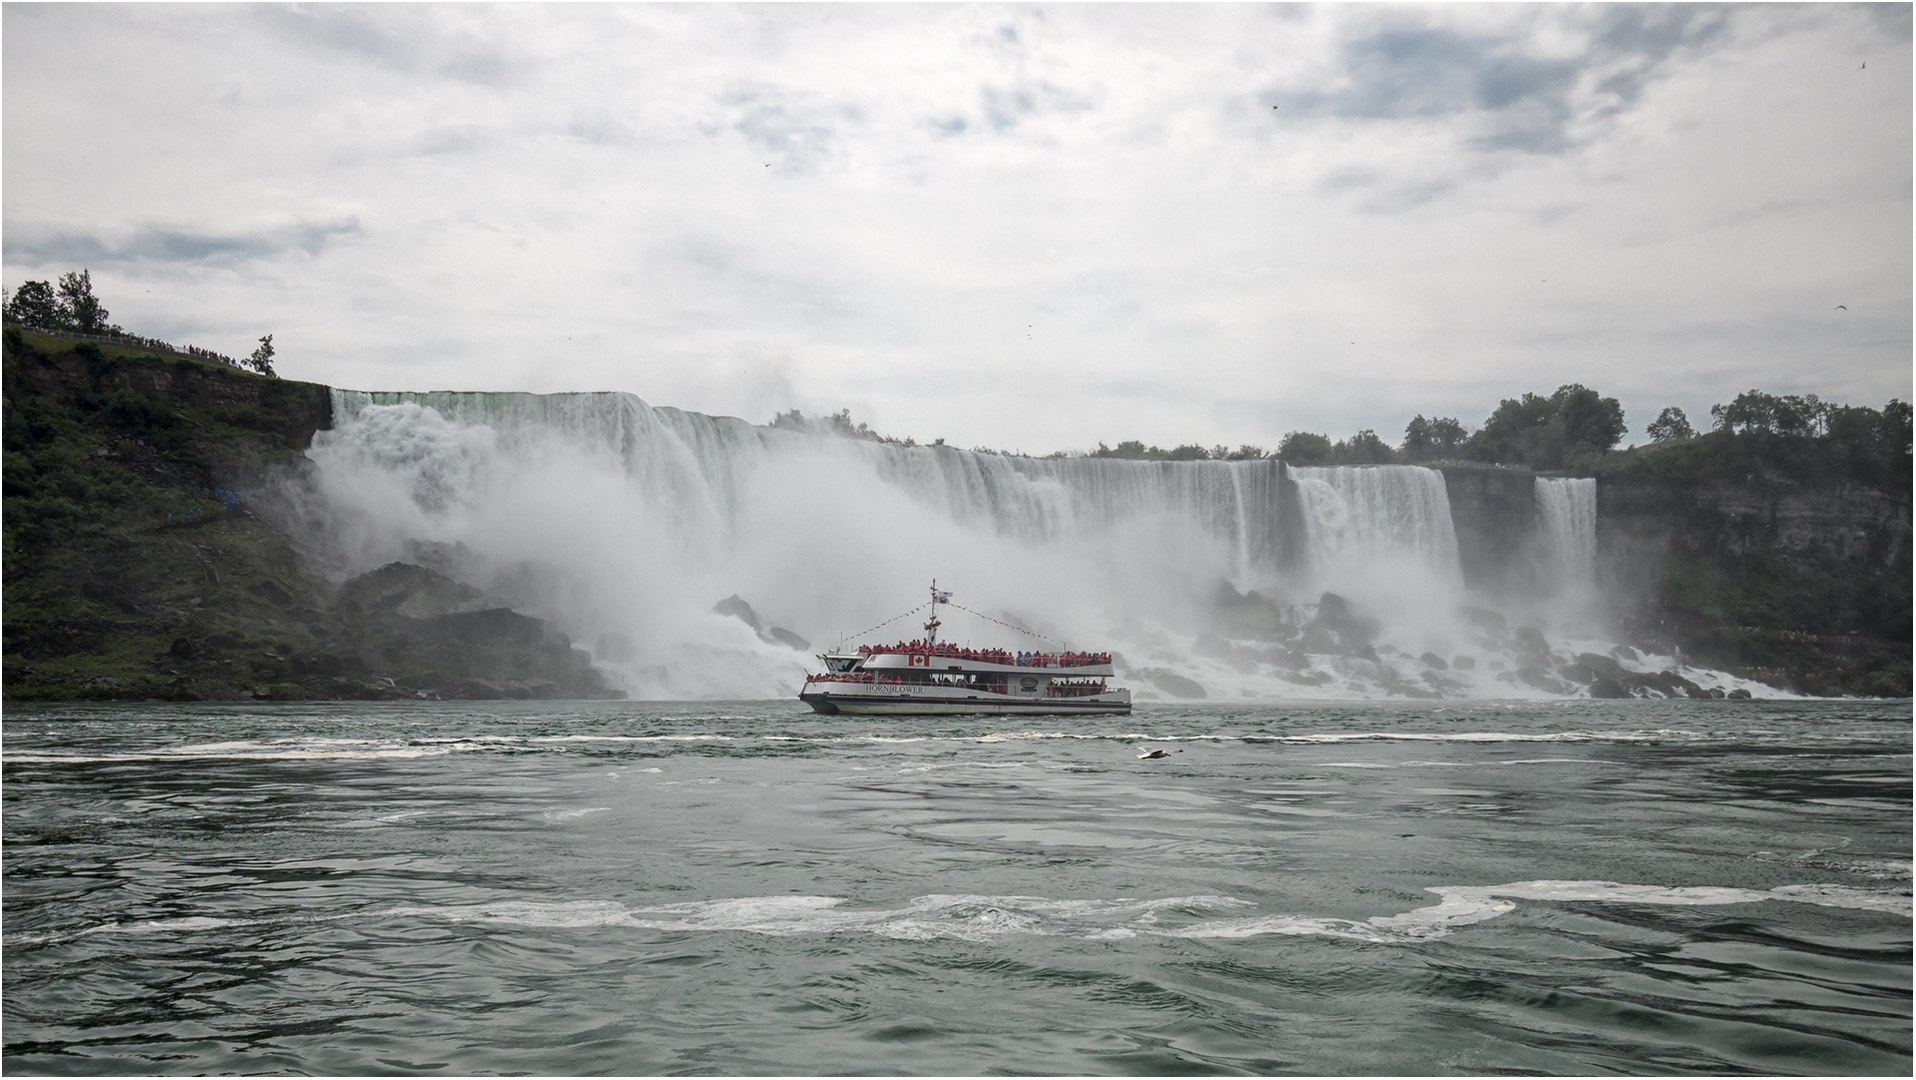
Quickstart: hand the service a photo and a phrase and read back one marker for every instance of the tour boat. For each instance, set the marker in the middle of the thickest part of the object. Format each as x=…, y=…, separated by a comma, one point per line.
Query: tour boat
x=932, y=677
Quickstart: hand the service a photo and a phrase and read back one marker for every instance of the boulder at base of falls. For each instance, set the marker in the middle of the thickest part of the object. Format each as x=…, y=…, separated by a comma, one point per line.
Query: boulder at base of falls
x=1603, y=686
x=411, y=632
x=1334, y=613
x=787, y=638
x=738, y=609
x=735, y=607
x=1176, y=685
x=1250, y=616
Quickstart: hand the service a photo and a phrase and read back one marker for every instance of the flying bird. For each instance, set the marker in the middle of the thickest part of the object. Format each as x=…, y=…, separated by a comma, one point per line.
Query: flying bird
x=1150, y=755
x=1842, y=307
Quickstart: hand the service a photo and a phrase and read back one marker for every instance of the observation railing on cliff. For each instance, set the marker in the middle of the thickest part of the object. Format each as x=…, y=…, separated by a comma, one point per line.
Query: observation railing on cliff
x=135, y=341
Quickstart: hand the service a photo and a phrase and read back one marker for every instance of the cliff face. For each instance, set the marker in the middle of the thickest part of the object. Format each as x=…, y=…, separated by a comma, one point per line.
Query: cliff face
x=143, y=558
x=1805, y=587
x=1494, y=512
x=1641, y=524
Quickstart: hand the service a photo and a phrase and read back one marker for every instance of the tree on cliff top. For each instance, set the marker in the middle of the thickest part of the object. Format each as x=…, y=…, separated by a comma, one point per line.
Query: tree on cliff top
x=1429, y=440
x=1670, y=424
x=262, y=358
x=68, y=307
x=1565, y=430
x=82, y=310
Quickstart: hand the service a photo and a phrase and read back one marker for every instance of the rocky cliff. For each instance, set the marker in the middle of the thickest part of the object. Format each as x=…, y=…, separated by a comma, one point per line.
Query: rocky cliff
x=143, y=555
x=1803, y=586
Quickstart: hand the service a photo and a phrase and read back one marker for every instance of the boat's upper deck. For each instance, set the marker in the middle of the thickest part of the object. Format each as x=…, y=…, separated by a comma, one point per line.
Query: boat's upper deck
x=947, y=657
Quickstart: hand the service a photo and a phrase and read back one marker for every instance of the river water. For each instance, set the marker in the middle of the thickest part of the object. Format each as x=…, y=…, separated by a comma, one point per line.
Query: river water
x=1569, y=887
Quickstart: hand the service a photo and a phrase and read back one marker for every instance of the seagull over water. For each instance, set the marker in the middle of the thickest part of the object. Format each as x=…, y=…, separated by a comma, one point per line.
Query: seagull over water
x=1150, y=755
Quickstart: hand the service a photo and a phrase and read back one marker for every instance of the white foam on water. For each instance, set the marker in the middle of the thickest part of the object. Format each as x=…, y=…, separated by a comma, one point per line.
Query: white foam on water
x=982, y=917
x=973, y=917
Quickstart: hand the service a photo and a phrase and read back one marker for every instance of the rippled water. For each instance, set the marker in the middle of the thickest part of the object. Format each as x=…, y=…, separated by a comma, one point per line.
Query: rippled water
x=747, y=888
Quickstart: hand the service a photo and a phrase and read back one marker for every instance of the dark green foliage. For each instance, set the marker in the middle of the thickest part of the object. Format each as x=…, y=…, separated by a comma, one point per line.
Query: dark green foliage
x=35, y=304
x=79, y=309
x=1791, y=439
x=1671, y=424
x=1822, y=624
x=1570, y=429
x=262, y=358
x=100, y=445
x=1305, y=448
x=1133, y=450
x=1363, y=448
x=1433, y=440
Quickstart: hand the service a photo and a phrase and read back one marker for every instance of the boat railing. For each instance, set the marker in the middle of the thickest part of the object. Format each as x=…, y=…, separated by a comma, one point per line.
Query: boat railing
x=989, y=656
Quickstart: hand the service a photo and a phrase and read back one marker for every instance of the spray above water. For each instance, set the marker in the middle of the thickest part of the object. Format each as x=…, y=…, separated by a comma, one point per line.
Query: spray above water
x=625, y=524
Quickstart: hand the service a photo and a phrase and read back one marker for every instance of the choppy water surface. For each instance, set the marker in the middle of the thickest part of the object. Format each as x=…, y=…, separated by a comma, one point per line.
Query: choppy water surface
x=745, y=888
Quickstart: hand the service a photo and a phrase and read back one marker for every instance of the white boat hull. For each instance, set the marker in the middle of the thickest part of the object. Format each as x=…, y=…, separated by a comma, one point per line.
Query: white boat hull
x=895, y=700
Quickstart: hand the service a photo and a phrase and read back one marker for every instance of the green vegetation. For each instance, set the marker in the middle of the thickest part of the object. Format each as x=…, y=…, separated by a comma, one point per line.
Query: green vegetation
x=128, y=519
x=141, y=560
x=1790, y=439
x=71, y=308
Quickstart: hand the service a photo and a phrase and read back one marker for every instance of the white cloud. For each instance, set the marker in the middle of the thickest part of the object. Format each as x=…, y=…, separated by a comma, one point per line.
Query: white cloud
x=1033, y=227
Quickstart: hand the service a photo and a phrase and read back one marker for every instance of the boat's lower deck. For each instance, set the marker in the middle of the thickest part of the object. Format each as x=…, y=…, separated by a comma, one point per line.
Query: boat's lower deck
x=863, y=702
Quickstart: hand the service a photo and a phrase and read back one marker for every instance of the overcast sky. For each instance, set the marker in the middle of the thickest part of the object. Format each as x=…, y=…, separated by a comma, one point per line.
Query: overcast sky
x=1017, y=226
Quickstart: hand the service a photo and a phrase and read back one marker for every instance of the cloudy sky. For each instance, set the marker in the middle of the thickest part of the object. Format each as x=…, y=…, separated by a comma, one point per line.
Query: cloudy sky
x=1017, y=226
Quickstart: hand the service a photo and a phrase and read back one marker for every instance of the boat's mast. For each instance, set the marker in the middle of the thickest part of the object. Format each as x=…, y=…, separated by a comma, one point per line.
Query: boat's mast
x=931, y=628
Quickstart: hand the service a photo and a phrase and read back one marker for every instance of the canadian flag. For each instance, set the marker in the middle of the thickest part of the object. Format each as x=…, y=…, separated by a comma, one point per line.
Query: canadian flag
x=915, y=660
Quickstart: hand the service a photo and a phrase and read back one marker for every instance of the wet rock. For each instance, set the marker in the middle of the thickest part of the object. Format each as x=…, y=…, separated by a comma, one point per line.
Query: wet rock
x=787, y=638
x=1578, y=673
x=1285, y=658
x=1531, y=640
x=1177, y=685
x=1716, y=693
x=738, y=609
x=1318, y=639
x=1739, y=694
x=1250, y=616
x=1534, y=675
x=1603, y=686
x=614, y=649
x=1334, y=613
x=1624, y=652
x=1483, y=620
x=411, y=592
x=1602, y=665
x=1433, y=661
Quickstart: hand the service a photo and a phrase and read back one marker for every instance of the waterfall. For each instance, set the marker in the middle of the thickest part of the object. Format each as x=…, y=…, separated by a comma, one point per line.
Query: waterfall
x=1358, y=514
x=696, y=467
x=1567, y=529
x=623, y=524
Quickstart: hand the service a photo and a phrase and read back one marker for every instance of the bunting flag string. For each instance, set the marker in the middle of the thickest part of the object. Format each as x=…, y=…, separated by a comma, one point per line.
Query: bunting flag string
x=891, y=620
x=1007, y=625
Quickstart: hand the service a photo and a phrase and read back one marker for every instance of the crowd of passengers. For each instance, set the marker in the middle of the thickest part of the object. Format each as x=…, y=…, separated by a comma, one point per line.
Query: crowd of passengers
x=1056, y=688
x=989, y=656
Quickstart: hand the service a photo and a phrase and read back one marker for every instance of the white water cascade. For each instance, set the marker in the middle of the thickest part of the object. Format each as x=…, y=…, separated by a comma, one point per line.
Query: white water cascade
x=1567, y=528
x=623, y=524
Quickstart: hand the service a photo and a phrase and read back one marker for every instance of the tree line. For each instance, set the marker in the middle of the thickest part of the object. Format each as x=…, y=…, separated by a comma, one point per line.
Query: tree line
x=1576, y=429
x=68, y=306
